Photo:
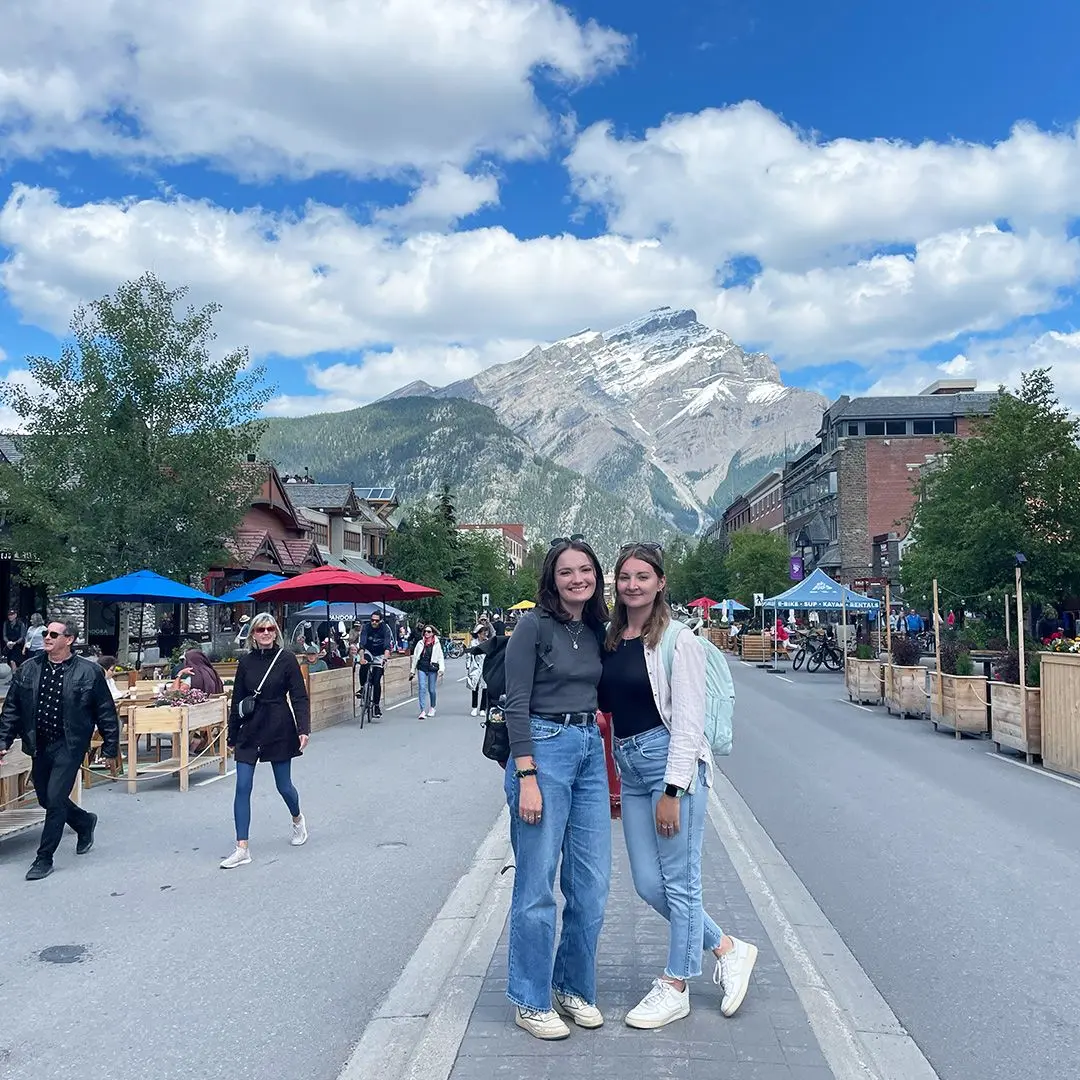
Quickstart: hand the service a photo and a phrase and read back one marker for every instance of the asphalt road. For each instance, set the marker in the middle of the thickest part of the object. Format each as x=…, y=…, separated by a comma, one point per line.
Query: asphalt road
x=954, y=878
x=270, y=970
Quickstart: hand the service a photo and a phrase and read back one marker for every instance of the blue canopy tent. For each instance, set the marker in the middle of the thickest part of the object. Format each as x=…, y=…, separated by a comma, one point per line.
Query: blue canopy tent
x=734, y=605
x=818, y=592
x=242, y=593
x=143, y=587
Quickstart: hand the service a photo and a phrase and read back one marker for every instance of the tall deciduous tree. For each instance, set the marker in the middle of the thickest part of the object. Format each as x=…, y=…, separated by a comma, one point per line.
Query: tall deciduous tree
x=757, y=563
x=1014, y=486
x=132, y=440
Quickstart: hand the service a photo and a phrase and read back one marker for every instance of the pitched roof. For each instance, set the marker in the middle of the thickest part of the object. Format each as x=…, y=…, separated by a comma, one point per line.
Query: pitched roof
x=320, y=496
x=9, y=451
x=912, y=406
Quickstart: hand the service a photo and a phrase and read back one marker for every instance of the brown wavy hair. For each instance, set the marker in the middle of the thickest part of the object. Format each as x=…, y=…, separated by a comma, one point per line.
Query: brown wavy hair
x=659, y=617
x=595, y=612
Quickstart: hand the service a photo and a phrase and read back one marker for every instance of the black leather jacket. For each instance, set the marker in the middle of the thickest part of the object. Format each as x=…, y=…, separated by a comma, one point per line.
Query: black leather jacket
x=87, y=704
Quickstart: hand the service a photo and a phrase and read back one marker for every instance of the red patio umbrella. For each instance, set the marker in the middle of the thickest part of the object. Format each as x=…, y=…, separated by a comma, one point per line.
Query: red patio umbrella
x=703, y=602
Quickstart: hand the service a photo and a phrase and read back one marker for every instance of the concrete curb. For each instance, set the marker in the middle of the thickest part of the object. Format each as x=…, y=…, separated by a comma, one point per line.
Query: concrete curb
x=415, y=1032
x=859, y=1034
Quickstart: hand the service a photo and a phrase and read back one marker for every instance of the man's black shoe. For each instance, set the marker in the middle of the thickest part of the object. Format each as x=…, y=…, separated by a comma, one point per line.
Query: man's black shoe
x=40, y=868
x=86, y=838
x=377, y=711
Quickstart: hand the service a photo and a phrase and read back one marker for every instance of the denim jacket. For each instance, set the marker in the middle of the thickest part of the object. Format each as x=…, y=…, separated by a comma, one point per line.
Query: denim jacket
x=680, y=701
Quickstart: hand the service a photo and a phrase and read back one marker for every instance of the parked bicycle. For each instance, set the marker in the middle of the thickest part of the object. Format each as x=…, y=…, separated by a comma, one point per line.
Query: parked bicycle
x=453, y=648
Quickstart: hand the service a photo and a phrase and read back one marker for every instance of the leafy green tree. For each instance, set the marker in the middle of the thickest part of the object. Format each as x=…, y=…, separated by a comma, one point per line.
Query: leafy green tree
x=757, y=563
x=486, y=560
x=423, y=549
x=526, y=581
x=1014, y=486
x=700, y=571
x=132, y=441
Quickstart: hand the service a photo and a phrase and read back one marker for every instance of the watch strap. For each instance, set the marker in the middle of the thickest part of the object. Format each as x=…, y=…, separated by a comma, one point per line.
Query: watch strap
x=674, y=792
x=521, y=773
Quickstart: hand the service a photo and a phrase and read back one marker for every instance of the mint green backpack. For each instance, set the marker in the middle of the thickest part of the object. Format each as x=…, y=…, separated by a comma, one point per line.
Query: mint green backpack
x=719, y=688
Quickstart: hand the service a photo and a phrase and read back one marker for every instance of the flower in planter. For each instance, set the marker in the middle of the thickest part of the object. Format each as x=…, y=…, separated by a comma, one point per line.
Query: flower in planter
x=184, y=696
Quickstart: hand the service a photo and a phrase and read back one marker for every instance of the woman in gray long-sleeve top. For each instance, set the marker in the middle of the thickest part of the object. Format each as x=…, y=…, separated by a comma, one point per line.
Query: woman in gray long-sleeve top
x=557, y=790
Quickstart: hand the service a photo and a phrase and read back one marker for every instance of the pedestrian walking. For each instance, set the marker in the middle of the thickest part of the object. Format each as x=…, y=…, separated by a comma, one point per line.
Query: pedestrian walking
x=427, y=662
x=557, y=791
x=14, y=638
x=667, y=770
x=35, y=637
x=474, y=670
x=55, y=702
x=263, y=727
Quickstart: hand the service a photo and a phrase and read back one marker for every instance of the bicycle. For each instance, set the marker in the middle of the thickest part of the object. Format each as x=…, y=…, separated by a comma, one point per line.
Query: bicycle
x=366, y=694
x=827, y=652
x=452, y=648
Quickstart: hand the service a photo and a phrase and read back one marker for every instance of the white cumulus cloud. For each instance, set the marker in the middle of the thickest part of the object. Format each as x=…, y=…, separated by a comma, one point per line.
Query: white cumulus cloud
x=443, y=199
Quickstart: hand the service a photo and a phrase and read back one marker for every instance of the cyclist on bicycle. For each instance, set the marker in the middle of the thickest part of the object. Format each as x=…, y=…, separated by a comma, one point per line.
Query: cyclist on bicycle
x=377, y=639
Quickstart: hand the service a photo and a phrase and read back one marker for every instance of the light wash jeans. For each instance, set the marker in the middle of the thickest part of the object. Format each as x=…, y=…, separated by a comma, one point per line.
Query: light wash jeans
x=427, y=682
x=666, y=869
x=576, y=823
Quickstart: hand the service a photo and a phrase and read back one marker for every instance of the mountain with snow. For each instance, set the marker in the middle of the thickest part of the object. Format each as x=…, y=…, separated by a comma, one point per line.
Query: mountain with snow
x=663, y=411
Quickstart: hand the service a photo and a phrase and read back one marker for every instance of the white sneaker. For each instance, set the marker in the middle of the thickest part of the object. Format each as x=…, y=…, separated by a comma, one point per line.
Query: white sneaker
x=431, y=712
x=732, y=975
x=663, y=1004
x=422, y=716
x=475, y=712
x=240, y=857
x=542, y=1025
x=579, y=1010
x=299, y=832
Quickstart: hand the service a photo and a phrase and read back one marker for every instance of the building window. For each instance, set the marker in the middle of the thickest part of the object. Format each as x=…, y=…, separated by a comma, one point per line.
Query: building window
x=922, y=427
x=853, y=429
x=832, y=528
x=321, y=534
x=832, y=482
x=354, y=541
x=895, y=427
x=875, y=427
x=945, y=427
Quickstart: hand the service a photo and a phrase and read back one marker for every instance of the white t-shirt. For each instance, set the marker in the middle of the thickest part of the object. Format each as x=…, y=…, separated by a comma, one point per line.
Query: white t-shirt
x=35, y=638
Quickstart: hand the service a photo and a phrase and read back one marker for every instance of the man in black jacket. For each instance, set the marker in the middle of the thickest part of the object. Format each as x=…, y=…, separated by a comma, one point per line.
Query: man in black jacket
x=377, y=639
x=54, y=703
x=14, y=638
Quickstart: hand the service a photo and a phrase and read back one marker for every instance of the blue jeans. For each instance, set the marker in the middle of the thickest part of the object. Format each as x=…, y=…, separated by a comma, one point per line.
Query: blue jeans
x=576, y=823
x=427, y=683
x=245, y=779
x=666, y=870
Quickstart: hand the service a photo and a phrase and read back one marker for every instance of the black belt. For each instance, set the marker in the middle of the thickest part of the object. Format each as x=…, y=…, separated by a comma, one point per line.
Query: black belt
x=578, y=719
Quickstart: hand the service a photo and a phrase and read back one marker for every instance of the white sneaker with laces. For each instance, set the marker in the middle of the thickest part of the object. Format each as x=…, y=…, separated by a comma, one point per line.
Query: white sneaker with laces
x=240, y=857
x=299, y=832
x=431, y=712
x=578, y=1009
x=732, y=974
x=662, y=1005
x=542, y=1025
x=475, y=712
x=422, y=716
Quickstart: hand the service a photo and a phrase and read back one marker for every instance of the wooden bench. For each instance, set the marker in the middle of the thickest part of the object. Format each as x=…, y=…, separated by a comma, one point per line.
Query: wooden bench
x=15, y=785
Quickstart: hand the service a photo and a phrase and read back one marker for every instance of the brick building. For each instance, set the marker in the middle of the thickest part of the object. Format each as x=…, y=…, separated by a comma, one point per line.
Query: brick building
x=736, y=516
x=858, y=482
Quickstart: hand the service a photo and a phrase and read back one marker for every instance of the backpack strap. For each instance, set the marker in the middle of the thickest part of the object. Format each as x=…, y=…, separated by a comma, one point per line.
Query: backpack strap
x=545, y=636
x=668, y=643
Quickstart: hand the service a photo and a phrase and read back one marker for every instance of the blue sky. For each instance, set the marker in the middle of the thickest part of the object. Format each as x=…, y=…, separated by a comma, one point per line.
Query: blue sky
x=418, y=188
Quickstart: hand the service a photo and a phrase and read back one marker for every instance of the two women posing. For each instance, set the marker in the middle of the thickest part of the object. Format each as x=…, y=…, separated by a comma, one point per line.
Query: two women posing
x=562, y=663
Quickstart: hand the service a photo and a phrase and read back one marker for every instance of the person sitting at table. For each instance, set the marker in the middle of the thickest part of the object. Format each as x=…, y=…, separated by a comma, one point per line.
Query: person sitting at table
x=199, y=674
x=314, y=660
x=331, y=655
x=108, y=665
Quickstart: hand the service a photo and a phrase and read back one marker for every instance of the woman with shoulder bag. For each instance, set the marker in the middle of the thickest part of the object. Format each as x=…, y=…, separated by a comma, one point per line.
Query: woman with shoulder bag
x=557, y=789
x=263, y=727
x=666, y=765
x=427, y=662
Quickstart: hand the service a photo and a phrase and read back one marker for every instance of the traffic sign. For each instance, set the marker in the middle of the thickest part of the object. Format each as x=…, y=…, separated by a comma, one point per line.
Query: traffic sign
x=485, y=600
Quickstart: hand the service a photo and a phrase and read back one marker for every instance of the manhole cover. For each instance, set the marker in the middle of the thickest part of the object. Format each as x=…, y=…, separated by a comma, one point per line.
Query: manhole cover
x=393, y=844
x=63, y=954
x=436, y=780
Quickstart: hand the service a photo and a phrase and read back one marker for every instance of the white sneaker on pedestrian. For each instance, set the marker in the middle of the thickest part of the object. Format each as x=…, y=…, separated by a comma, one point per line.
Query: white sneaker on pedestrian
x=240, y=857
x=662, y=1005
x=542, y=1025
x=732, y=974
x=578, y=1009
x=422, y=716
x=299, y=832
x=475, y=712
x=431, y=712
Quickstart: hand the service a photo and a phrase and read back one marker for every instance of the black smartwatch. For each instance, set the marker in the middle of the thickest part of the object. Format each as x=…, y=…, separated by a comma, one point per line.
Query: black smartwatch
x=674, y=792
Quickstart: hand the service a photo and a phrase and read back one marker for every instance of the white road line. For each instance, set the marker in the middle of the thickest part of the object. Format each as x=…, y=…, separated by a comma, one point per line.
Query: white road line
x=855, y=705
x=417, y=1028
x=214, y=779
x=784, y=678
x=1032, y=768
x=859, y=1034
x=463, y=678
x=391, y=708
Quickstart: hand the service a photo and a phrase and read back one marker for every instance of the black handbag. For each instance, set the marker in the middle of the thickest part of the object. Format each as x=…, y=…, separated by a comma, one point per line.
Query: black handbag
x=496, y=744
x=246, y=708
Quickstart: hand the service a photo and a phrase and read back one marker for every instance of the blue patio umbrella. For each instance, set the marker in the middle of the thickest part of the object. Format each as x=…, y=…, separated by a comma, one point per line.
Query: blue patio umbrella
x=143, y=587
x=734, y=605
x=242, y=593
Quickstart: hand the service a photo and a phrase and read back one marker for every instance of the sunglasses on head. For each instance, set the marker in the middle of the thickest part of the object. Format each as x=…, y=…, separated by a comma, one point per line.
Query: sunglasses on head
x=54, y=633
x=644, y=545
x=575, y=538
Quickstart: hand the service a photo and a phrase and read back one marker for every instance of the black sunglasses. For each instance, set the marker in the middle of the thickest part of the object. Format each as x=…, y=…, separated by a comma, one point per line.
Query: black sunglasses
x=575, y=538
x=645, y=545
x=55, y=634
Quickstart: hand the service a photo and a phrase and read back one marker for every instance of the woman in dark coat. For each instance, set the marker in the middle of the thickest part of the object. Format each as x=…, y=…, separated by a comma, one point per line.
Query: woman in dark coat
x=274, y=732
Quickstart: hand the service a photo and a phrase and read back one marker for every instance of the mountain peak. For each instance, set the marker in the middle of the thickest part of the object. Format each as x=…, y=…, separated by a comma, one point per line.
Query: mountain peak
x=660, y=322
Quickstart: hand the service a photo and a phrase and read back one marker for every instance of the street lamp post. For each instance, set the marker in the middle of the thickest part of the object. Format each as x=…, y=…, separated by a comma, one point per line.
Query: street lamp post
x=1020, y=635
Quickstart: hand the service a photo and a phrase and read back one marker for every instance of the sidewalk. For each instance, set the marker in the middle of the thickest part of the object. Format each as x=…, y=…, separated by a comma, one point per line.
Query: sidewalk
x=768, y=1039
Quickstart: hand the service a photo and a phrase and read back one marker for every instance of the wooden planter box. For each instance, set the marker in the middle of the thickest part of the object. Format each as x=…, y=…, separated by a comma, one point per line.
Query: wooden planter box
x=864, y=681
x=905, y=690
x=1006, y=722
x=958, y=703
x=179, y=723
x=1060, y=678
x=756, y=648
x=226, y=671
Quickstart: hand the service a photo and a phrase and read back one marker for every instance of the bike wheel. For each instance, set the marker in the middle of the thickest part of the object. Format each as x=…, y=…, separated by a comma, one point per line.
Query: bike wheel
x=797, y=662
x=813, y=662
x=834, y=662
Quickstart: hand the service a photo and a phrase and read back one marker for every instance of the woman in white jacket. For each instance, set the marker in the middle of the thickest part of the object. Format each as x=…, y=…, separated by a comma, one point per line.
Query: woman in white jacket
x=658, y=727
x=427, y=662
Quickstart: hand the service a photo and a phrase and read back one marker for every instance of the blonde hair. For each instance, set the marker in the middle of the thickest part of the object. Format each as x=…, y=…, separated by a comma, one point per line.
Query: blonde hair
x=659, y=617
x=264, y=619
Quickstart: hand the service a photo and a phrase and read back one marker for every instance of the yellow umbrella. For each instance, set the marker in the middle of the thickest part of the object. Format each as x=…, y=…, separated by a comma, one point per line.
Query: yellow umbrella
x=525, y=605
